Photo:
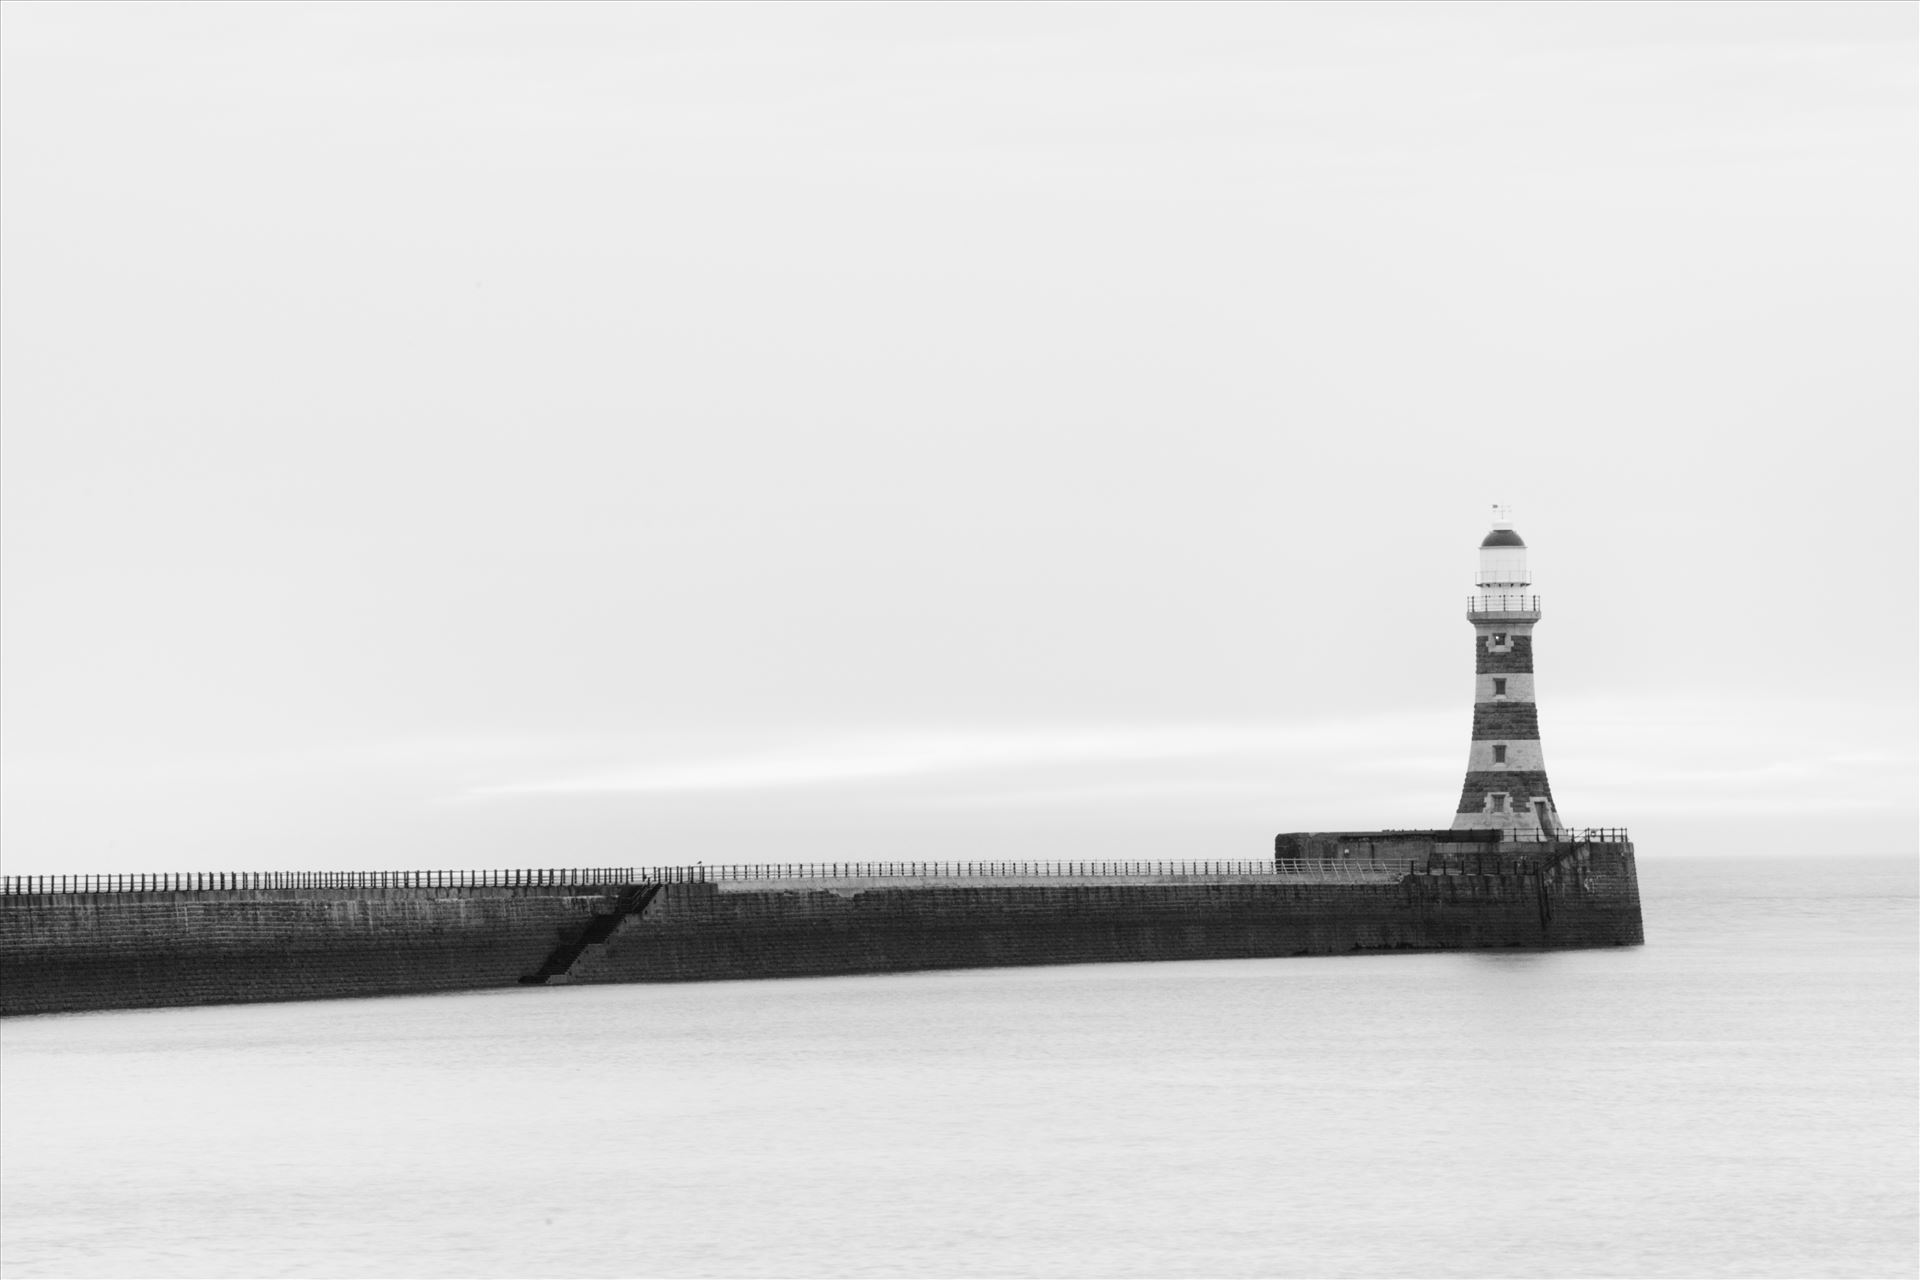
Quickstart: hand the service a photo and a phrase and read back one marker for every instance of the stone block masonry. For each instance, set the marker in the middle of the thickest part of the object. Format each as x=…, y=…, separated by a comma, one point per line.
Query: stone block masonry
x=1514, y=656
x=1506, y=720
x=1517, y=782
x=1573, y=896
x=62, y=952
x=698, y=934
x=1387, y=891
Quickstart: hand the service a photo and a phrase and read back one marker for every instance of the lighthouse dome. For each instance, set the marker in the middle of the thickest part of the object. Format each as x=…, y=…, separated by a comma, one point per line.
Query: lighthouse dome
x=1503, y=556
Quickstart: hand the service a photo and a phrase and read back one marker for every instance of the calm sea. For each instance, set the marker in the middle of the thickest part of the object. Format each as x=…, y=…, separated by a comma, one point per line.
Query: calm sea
x=1736, y=1098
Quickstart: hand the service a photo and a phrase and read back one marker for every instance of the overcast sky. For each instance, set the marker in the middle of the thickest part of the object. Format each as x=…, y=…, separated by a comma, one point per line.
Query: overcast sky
x=448, y=435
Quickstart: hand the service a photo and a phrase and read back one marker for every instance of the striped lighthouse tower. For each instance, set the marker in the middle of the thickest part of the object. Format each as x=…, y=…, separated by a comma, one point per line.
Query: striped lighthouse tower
x=1506, y=784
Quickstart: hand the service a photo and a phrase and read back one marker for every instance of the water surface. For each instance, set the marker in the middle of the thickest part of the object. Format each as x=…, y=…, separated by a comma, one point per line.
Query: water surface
x=1735, y=1098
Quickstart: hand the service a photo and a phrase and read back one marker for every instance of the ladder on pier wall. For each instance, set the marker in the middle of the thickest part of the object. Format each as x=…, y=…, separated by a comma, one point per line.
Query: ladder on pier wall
x=631, y=901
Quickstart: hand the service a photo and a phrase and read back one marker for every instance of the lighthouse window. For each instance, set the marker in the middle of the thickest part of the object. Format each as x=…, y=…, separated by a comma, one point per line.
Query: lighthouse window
x=1499, y=686
x=1500, y=754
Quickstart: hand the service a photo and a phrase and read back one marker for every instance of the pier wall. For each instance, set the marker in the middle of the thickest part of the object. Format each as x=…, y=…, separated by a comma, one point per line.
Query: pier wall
x=1589, y=897
x=64, y=952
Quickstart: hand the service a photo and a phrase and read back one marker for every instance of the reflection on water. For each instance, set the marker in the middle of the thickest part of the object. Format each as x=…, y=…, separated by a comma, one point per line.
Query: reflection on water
x=1735, y=1098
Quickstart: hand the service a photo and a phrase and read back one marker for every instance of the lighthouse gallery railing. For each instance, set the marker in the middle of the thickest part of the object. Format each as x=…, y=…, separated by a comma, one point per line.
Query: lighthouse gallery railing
x=1502, y=602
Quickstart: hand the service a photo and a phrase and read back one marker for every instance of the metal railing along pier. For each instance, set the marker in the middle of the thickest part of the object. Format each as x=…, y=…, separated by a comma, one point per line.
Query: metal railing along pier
x=1294, y=870
x=1338, y=872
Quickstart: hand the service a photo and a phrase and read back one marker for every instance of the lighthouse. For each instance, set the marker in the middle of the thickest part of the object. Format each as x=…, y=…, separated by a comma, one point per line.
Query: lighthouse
x=1506, y=787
